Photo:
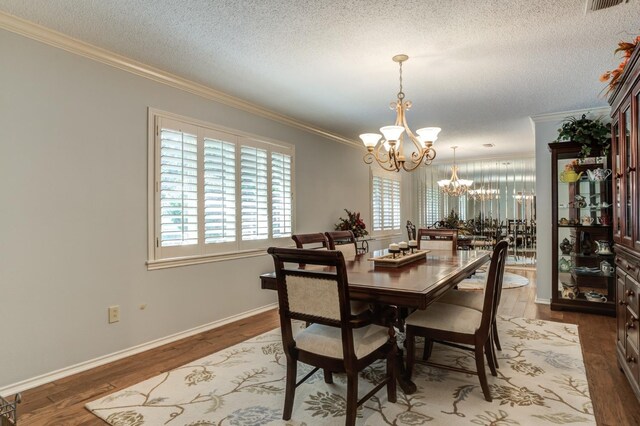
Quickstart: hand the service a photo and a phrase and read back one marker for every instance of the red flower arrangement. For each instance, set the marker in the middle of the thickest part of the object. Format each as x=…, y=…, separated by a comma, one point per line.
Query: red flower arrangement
x=353, y=223
x=613, y=76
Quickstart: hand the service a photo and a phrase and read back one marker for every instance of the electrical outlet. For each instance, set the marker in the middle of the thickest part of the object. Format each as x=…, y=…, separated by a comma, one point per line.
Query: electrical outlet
x=114, y=314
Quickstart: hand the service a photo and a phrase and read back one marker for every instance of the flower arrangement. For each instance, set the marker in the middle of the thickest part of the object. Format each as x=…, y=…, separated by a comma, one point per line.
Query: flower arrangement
x=571, y=167
x=588, y=133
x=352, y=223
x=613, y=76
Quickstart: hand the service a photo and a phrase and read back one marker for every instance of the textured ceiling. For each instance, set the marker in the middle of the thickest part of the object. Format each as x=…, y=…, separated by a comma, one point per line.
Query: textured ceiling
x=477, y=68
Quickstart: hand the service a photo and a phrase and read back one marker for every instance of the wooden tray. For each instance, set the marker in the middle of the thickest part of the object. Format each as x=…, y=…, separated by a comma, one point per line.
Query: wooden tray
x=388, y=261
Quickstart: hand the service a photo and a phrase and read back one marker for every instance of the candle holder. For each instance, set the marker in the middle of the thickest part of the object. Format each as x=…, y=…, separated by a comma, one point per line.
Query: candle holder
x=394, y=252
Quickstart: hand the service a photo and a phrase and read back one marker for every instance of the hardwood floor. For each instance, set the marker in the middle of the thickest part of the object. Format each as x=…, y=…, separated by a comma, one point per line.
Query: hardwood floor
x=62, y=402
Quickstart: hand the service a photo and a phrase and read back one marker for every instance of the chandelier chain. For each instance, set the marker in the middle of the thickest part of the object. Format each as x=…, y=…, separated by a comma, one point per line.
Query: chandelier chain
x=400, y=93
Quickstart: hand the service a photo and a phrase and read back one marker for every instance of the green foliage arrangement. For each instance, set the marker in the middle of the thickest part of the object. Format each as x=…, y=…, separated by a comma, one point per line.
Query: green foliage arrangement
x=589, y=133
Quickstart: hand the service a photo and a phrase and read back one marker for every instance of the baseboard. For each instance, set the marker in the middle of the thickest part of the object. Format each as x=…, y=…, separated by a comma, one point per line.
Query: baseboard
x=105, y=359
x=542, y=301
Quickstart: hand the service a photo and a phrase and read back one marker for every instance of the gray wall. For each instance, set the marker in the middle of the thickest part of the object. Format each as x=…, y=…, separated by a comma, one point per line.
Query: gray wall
x=546, y=131
x=73, y=220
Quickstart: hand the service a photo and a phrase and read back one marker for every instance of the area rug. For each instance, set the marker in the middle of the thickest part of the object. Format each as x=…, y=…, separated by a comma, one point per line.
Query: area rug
x=541, y=381
x=478, y=280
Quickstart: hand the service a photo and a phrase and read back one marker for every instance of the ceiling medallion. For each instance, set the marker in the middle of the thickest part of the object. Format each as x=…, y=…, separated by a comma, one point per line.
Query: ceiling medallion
x=454, y=186
x=389, y=153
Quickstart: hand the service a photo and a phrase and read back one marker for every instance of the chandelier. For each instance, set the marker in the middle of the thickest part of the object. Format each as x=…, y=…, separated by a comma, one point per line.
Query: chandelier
x=484, y=194
x=389, y=152
x=454, y=186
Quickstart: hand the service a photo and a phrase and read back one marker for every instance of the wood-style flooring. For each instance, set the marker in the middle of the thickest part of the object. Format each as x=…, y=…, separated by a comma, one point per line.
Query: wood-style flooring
x=62, y=402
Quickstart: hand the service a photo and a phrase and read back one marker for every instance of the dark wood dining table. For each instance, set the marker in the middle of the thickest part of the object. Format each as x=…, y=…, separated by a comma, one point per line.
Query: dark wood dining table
x=414, y=285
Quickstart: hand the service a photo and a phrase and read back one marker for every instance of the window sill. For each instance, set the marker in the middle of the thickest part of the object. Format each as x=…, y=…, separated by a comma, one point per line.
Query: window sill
x=152, y=265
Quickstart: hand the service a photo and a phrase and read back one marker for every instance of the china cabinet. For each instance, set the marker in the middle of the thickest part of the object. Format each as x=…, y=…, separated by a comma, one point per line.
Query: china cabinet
x=583, y=277
x=625, y=107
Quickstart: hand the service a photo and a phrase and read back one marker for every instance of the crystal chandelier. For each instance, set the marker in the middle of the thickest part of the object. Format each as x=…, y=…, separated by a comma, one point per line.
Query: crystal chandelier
x=454, y=186
x=389, y=152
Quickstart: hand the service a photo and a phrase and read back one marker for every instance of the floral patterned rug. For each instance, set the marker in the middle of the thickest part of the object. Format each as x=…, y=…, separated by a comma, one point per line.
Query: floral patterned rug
x=541, y=381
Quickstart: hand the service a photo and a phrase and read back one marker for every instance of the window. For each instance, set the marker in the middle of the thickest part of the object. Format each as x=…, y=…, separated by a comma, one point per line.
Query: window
x=215, y=193
x=385, y=203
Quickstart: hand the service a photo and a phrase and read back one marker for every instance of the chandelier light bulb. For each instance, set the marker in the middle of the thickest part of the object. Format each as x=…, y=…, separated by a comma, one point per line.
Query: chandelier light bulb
x=428, y=134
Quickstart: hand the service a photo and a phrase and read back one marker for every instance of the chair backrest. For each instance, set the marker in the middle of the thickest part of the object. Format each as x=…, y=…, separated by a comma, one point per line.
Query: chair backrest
x=317, y=240
x=438, y=239
x=319, y=295
x=344, y=241
x=493, y=288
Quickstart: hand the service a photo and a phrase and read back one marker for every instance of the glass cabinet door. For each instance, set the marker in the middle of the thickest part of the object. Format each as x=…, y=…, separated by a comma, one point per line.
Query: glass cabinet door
x=628, y=226
x=617, y=190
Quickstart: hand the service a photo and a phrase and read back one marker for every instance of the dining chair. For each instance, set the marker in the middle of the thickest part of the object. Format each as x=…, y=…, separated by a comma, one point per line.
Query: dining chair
x=317, y=241
x=459, y=326
x=344, y=241
x=336, y=341
x=437, y=239
x=475, y=300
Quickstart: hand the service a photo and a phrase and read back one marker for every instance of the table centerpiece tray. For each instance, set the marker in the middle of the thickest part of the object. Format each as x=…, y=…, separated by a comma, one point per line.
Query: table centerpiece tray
x=390, y=260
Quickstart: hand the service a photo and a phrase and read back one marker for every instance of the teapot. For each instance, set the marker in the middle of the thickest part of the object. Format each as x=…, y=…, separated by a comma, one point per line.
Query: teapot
x=564, y=265
x=586, y=220
x=604, y=219
x=603, y=247
x=565, y=246
x=606, y=267
x=564, y=221
x=598, y=174
x=592, y=296
x=569, y=176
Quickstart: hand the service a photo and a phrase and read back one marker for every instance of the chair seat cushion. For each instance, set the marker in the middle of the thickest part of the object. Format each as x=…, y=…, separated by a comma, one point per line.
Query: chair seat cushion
x=446, y=317
x=468, y=299
x=325, y=340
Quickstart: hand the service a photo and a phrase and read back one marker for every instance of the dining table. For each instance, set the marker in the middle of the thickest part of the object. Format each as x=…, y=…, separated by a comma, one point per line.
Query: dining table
x=411, y=286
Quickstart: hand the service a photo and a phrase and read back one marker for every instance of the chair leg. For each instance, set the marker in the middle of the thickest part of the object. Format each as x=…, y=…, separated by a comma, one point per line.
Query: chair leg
x=482, y=375
x=493, y=350
x=488, y=350
x=428, y=347
x=410, y=344
x=391, y=374
x=290, y=389
x=328, y=377
x=494, y=331
x=352, y=398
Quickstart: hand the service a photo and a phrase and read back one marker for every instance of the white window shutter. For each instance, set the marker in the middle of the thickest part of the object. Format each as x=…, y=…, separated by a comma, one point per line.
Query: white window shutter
x=178, y=188
x=281, y=211
x=219, y=191
x=385, y=204
x=254, y=193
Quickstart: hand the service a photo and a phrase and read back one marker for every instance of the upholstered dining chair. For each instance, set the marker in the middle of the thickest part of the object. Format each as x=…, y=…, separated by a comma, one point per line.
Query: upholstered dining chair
x=336, y=341
x=438, y=239
x=459, y=326
x=474, y=300
x=317, y=241
x=344, y=241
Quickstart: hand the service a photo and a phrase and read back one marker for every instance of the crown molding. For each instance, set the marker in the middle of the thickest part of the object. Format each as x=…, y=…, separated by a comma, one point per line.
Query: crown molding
x=56, y=39
x=559, y=116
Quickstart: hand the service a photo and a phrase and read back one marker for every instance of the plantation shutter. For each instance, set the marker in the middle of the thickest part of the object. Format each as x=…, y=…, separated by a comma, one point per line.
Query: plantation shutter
x=432, y=206
x=281, y=212
x=219, y=191
x=178, y=188
x=385, y=204
x=254, y=193
x=377, y=203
